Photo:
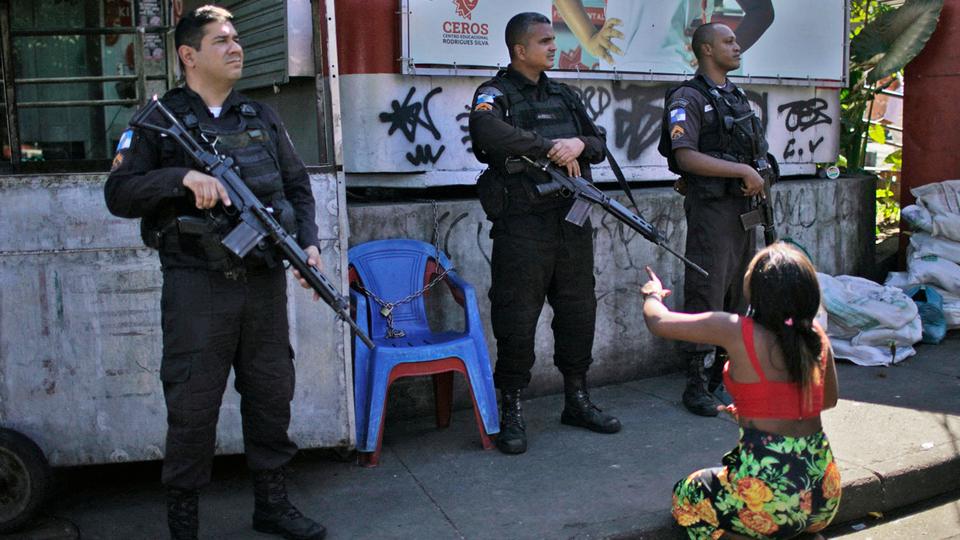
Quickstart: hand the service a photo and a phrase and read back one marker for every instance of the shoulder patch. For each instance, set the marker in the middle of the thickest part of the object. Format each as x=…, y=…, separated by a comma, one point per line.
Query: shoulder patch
x=117, y=161
x=678, y=103
x=677, y=132
x=126, y=139
x=678, y=114
x=483, y=107
x=490, y=91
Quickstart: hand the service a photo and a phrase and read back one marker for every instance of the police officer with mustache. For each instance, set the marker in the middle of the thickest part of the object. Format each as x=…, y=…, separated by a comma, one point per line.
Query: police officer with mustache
x=218, y=311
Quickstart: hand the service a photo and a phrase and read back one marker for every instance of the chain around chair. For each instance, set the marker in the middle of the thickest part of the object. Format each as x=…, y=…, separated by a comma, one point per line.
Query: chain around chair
x=386, y=308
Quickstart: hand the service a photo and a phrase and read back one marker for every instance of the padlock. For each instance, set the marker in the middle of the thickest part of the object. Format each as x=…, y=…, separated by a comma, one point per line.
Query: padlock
x=386, y=311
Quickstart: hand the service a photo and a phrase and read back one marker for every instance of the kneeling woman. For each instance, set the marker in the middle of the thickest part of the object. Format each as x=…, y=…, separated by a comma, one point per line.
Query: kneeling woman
x=781, y=480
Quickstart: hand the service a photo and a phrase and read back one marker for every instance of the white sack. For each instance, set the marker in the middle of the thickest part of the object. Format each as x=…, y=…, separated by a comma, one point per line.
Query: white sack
x=935, y=270
x=925, y=244
x=858, y=303
x=866, y=355
x=881, y=337
x=917, y=217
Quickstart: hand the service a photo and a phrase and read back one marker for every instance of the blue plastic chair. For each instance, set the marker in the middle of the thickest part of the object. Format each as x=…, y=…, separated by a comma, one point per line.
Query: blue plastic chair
x=393, y=269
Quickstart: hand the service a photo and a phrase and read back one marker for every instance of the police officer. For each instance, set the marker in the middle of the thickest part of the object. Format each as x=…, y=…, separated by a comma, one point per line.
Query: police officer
x=219, y=311
x=710, y=135
x=537, y=255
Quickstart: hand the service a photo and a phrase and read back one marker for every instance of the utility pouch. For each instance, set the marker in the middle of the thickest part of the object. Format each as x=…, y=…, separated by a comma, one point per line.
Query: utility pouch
x=492, y=193
x=707, y=188
x=205, y=233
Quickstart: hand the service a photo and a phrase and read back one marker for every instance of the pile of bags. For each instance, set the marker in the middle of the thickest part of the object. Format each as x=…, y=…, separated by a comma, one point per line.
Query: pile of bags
x=869, y=324
x=932, y=278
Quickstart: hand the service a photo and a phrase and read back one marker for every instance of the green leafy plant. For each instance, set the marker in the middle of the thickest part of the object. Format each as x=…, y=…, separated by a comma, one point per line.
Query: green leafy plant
x=888, y=208
x=883, y=40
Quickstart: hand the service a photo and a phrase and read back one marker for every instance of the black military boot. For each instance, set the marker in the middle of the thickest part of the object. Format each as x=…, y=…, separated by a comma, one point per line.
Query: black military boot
x=716, y=386
x=579, y=411
x=182, y=513
x=512, y=438
x=695, y=397
x=274, y=514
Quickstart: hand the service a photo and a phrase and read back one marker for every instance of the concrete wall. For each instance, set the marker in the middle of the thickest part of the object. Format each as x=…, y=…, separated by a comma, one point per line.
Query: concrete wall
x=833, y=220
x=406, y=124
x=79, y=308
x=80, y=340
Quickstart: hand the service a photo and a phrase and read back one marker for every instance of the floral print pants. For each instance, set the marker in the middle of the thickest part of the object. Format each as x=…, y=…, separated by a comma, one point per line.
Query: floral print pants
x=770, y=486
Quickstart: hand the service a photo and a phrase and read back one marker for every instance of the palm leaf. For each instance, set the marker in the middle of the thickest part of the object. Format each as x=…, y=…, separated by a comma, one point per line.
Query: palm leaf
x=895, y=37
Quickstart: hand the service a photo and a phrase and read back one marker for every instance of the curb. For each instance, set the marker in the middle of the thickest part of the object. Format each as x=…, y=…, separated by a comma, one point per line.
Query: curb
x=895, y=484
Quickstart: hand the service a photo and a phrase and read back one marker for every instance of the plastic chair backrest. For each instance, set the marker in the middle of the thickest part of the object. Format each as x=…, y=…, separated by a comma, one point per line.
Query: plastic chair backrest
x=393, y=269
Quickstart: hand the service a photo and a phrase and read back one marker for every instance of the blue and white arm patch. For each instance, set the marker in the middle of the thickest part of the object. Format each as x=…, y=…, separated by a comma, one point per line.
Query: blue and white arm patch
x=678, y=115
x=126, y=139
x=487, y=94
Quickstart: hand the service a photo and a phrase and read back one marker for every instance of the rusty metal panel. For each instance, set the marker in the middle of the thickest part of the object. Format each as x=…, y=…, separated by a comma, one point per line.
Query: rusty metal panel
x=262, y=25
x=80, y=339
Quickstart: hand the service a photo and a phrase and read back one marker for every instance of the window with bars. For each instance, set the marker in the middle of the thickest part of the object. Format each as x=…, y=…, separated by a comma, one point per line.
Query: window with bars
x=74, y=72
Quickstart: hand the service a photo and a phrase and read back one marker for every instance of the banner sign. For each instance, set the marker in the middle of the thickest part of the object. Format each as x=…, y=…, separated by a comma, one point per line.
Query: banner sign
x=780, y=39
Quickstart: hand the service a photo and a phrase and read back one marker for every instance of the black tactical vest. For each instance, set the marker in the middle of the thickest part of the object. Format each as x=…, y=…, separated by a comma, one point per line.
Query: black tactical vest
x=735, y=134
x=553, y=118
x=254, y=154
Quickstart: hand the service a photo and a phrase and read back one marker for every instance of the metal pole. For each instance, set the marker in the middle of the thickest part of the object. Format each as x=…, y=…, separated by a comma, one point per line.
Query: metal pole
x=324, y=133
x=9, y=88
x=138, y=65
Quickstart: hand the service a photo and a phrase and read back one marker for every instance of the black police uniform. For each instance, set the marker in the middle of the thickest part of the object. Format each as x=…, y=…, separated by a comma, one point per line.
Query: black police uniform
x=536, y=253
x=716, y=120
x=218, y=311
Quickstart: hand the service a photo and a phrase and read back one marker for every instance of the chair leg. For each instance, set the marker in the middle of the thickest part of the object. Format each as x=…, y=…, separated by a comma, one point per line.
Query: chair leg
x=485, y=439
x=368, y=450
x=443, y=397
x=369, y=459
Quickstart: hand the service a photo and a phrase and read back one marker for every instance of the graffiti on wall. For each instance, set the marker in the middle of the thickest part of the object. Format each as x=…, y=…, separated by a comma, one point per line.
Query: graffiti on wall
x=426, y=127
x=463, y=122
x=596, y=99
x=799, y=116
x=406, y=117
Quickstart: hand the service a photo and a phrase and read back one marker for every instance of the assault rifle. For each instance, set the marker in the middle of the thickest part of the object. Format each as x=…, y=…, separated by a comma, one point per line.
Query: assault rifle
x=762, y=213
x=255, y=225
x=587, y=194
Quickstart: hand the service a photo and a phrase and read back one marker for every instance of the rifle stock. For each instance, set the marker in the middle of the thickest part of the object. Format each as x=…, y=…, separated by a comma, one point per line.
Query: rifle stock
x=255, y=222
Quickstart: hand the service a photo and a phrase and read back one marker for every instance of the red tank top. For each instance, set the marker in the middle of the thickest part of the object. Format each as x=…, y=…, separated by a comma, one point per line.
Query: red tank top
x=774, y=399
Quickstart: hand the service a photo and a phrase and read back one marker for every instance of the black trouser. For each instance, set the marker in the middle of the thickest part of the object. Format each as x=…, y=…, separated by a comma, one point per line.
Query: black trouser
x=717, y=242
x=210, y=324
x=531, y=263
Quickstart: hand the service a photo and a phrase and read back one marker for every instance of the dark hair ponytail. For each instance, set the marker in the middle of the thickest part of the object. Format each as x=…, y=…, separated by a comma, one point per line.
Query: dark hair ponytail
x=785, y=297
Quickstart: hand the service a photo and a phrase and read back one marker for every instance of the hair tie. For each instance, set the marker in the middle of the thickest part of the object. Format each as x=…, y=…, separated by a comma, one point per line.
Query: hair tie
x=788, y=321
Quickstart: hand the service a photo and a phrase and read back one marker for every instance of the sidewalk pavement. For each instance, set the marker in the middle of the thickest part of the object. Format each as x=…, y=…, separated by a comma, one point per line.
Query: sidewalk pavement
x=895, y=432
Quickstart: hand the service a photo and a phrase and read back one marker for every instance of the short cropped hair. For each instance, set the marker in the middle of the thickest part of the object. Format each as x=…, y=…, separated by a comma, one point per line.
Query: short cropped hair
x=704, y=35
x=190, y=28
x=519, y=26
